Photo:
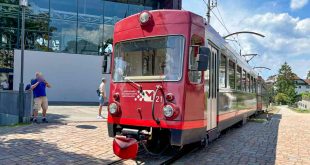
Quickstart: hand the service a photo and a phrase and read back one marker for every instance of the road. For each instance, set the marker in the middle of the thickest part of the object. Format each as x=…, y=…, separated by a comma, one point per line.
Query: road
x=282, y=140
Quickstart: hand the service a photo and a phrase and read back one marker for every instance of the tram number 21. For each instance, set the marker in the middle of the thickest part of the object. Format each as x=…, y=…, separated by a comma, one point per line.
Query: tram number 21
x=158, y=99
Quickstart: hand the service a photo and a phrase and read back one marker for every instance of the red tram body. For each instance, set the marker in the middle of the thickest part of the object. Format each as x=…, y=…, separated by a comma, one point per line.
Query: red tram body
x=175, y=81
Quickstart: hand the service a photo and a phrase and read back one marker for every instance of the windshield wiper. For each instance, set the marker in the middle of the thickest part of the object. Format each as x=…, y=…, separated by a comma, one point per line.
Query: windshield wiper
x=138, y=85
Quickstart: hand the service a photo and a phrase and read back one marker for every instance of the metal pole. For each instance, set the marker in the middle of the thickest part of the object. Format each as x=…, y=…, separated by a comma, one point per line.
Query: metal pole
x=21, y=84
x=208, y=12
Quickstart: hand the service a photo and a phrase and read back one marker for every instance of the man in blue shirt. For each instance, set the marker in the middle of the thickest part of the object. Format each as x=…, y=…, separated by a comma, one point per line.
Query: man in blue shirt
x=38, y=86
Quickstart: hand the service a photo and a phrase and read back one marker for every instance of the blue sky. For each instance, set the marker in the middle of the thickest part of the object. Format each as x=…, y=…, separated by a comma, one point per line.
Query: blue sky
x=285, y=23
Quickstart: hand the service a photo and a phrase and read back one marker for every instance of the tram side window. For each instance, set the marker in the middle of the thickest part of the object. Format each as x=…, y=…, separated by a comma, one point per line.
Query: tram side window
x=223, y=72
x=238, y=77
x=252, y=84
x=193, y=74
x=248, y=82
x=244, y=84
x=232, y=75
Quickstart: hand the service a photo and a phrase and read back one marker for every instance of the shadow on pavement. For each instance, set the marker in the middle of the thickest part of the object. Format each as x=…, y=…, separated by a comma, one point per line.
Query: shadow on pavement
x=86, y=126
x=27, y=151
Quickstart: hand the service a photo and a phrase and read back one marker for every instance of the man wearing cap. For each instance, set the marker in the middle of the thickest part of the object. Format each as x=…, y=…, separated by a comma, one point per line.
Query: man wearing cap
x=102, y=97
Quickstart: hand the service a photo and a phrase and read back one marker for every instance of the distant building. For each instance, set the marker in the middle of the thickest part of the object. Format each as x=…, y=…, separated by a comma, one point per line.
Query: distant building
x=66, y=40
x=302, y=85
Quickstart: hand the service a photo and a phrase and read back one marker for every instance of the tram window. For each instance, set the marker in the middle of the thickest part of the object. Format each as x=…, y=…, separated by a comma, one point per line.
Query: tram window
x=223, y=72
x=252, y=84
x=231, y=74
x=194, y=75
x=238, y=77
x=244, y=85
x=248, y=82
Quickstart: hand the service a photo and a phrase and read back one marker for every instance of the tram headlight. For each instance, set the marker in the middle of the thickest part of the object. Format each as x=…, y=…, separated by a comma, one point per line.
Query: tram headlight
x=113, y=107
x=168, y=111
x=144, y=17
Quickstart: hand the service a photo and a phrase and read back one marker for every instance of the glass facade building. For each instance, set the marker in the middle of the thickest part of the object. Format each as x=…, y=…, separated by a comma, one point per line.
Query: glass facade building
x=67, y=26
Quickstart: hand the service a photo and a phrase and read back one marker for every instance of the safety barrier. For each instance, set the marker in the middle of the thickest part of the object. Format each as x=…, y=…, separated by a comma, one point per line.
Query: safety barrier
x=9, y=107
x=304, y=104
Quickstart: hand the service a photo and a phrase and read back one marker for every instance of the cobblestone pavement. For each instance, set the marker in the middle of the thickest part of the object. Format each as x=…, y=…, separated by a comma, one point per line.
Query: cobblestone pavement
x=282, y=140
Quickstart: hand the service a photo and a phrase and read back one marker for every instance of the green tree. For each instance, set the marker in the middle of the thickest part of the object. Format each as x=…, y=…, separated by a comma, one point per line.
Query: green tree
x=308, y=75
x=285, y=85
x=281, y=98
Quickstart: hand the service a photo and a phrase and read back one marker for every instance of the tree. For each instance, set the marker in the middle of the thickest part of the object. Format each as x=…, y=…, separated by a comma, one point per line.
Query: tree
x=281, y=98
x=308, y=75
x=285, y=85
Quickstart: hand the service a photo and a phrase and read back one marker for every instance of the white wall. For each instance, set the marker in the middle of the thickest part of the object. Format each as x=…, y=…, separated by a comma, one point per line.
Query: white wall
x=302, y=89
x=74, y=78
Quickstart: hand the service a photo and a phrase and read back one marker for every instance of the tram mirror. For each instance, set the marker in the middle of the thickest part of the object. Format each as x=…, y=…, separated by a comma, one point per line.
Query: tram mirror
x=203, y=58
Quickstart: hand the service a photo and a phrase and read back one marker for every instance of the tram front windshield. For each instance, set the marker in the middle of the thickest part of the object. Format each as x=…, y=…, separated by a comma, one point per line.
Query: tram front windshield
x=155, y=58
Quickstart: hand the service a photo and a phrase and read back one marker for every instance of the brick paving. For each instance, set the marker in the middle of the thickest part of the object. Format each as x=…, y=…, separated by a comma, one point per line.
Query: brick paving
x=282, y=140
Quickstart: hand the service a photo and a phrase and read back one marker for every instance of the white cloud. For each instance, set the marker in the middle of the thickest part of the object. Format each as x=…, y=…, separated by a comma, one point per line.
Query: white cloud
x=287, y=37
x=297, y=4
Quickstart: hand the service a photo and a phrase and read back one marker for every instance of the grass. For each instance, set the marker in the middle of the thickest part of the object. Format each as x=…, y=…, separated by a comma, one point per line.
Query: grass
x=299, y=110
x=257, y=120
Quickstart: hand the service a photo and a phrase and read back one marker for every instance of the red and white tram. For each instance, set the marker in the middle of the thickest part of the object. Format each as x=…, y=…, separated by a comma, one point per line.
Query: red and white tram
x=174, y=81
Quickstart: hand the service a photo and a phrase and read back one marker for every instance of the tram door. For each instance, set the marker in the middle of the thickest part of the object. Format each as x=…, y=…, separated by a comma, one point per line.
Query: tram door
x=212, y=75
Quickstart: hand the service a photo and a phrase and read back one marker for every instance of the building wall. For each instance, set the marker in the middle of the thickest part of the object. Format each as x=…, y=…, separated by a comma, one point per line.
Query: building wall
x=74, y=78
x=302, y=88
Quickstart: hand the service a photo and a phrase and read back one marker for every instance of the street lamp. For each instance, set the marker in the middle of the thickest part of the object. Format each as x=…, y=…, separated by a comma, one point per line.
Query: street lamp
x=23, y=4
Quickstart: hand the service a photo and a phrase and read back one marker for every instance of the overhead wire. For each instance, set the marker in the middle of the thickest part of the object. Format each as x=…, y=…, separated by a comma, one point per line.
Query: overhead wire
x=221, y=21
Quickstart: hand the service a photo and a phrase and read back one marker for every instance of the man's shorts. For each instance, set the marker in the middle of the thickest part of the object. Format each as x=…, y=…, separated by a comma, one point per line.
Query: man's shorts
x=101, y=100
x=40, y=102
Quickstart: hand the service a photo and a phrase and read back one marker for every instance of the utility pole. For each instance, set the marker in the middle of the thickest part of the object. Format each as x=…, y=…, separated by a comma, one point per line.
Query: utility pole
x=210, y=6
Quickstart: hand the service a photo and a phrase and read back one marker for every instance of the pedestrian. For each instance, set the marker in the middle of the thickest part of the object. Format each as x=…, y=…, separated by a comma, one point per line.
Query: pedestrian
x=5, y=85
x=38, y=86
x=102, y=97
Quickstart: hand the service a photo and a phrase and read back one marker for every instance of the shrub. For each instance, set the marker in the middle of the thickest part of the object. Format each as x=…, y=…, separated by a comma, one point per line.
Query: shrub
x=282, y=98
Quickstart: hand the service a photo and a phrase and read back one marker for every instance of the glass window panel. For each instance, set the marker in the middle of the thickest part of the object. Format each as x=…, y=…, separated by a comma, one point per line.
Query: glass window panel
x=90, y=28
x=238, y=77
x=114, y=11
x=63, y=36
x=16, y=2
x=63, y=26
x=36, y=40
x=252, y=84
x=38, y=8
x=244, y=85
x=232, y=75
x=91, y=8
x=89, y=38
x=134, y=9
x=223, y=69
x=248, y=83
x=158, y=58
x=63, y=8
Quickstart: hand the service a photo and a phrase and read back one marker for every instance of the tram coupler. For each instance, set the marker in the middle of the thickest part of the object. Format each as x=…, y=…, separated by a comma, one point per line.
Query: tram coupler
x=126, y=145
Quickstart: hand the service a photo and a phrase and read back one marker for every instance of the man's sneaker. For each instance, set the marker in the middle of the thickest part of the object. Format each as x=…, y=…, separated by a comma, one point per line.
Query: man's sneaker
x=99, y=117
x=35, y=121
x=44, y=120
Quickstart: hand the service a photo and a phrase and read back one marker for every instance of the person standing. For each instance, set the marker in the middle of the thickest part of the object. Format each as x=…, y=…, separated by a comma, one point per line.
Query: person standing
x=38, y=87
x=102, y=97
x=5, y=85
